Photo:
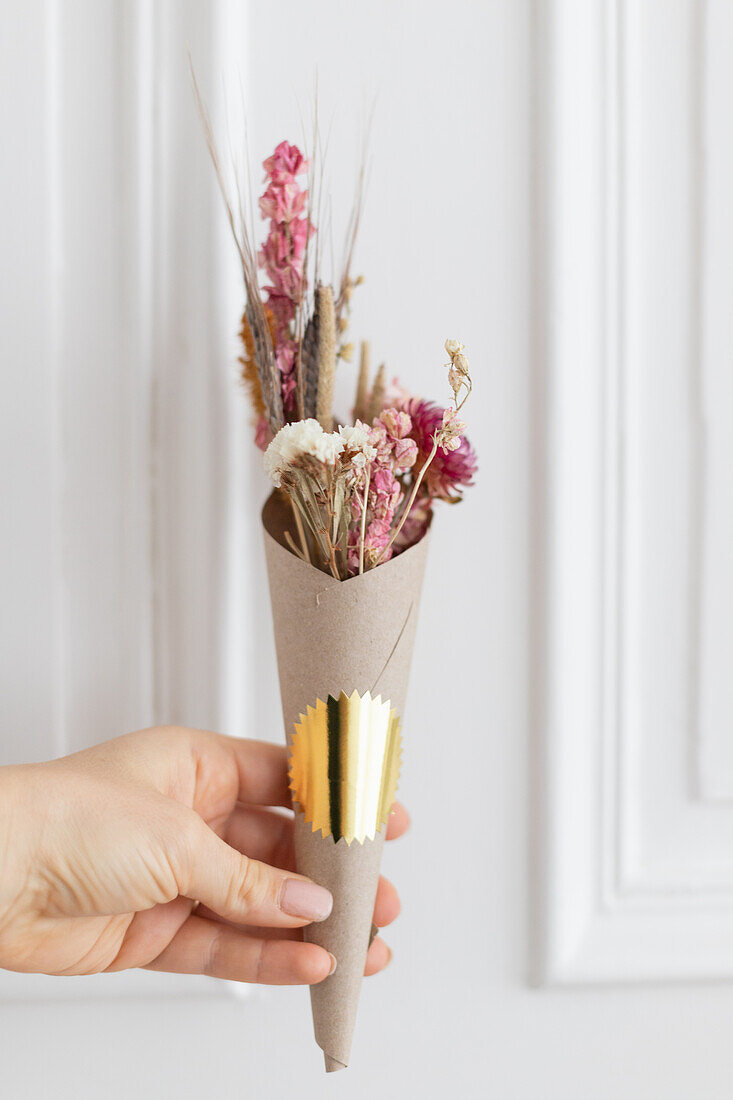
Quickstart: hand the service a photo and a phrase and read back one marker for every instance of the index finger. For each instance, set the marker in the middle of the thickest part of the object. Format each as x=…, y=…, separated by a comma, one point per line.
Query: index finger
x=262, y=771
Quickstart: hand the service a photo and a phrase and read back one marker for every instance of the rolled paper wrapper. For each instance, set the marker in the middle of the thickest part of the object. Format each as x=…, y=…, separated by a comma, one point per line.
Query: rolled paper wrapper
x=332, y=638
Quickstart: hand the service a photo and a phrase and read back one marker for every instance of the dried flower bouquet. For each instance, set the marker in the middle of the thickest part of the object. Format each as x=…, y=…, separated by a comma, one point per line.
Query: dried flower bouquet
x=346, y=534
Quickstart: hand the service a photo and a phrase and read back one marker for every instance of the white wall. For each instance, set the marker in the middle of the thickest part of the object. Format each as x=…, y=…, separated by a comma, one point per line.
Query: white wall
x=539, y=190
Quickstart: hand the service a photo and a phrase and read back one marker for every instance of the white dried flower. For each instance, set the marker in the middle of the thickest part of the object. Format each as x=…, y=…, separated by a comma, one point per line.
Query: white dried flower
x=449, y=435
x=329, y=447
x=459, y=378
x=357, y=438
x=305, y=437
x=273, y=461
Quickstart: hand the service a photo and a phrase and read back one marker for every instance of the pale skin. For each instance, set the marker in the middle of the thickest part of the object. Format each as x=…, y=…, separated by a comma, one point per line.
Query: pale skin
x=163, y=849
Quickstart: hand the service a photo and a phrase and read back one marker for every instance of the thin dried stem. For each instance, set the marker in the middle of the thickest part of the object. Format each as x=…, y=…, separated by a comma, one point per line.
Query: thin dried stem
x=301, y=532
x=302, y=311
x=291, y=543
x=255, y=311
x=357, y=211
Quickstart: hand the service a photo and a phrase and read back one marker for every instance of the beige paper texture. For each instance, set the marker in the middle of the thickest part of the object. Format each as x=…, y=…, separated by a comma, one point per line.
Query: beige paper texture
x=334, y=636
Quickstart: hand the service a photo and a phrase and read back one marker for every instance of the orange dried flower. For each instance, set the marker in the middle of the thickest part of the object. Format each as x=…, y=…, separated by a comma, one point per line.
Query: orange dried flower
x=249, y=375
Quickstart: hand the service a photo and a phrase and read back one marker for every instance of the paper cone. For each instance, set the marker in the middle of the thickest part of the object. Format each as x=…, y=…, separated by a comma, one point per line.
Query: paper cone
x=332, y=637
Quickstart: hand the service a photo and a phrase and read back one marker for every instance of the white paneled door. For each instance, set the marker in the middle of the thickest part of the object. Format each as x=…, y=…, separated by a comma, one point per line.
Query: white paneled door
x=550, y=182
x=640, y=828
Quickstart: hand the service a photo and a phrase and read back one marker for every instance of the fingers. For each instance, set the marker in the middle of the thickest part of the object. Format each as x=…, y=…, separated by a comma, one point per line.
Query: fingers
x=205, y=947
x=268, y=835
x=149, y=932
x=378, y=956
x=262, y=834
x=238, y=888
x=386, y=909
x=398, y=821
x=256, y=772
x=387, y=903
x=262, y=769
x=220, y=951
x=247, y=888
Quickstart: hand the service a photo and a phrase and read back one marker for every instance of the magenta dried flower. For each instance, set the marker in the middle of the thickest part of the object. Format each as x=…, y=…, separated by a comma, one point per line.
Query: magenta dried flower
x=449, y=473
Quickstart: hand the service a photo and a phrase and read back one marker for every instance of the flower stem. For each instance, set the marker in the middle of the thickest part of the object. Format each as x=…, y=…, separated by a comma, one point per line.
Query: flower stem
x=363, y=519
x=301, y=532
x=331, y=525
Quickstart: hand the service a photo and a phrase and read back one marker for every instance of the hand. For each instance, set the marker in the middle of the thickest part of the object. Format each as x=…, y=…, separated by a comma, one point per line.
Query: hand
x=105, y=854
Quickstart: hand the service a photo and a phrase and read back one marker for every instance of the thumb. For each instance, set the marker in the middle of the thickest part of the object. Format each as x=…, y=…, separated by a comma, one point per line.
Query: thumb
x=244, y=890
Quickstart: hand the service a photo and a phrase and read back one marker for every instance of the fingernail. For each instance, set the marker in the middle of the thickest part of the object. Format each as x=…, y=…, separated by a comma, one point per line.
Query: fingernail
x=334, y=964
x=305, y=899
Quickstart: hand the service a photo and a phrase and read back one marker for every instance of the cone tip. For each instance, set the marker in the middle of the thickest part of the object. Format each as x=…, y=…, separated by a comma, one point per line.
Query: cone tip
x=332, y=1064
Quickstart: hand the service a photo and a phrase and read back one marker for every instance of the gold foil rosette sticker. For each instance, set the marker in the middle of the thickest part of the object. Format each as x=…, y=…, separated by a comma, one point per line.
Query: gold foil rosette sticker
x=344, y=765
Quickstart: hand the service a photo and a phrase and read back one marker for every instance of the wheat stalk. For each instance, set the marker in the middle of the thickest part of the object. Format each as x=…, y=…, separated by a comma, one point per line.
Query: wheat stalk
x=376, y=399
x=309, y=364
x=362, y=385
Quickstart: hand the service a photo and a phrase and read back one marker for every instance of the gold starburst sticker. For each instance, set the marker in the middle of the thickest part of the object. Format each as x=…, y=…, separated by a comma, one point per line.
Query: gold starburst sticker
x=344, y=765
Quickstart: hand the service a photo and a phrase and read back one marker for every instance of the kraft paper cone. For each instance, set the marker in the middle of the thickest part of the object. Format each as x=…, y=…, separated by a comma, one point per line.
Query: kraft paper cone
x=331, y=637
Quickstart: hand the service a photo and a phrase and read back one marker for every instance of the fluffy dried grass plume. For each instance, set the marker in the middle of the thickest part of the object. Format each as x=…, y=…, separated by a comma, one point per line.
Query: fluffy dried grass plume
x=362, y=385
x=376, y=398
x=326, y=356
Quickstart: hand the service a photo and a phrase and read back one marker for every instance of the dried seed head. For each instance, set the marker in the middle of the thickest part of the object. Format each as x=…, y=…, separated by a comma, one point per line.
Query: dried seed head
x=458, y=376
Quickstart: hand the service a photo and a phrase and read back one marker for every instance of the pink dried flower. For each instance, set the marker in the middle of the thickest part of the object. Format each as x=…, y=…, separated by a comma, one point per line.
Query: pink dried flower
x=396, y=423
x=282, y=256
x=285, y=356
x=287, y=160
x=285, y=359
x=394, y=447
x=405, y=453
x=282, y=202
x=263, y=433
x=451, y=471
x=385, y=494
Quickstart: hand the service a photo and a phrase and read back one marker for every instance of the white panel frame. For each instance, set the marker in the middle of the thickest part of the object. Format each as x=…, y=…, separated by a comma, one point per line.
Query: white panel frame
x=715, y=397
x=607, y=920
